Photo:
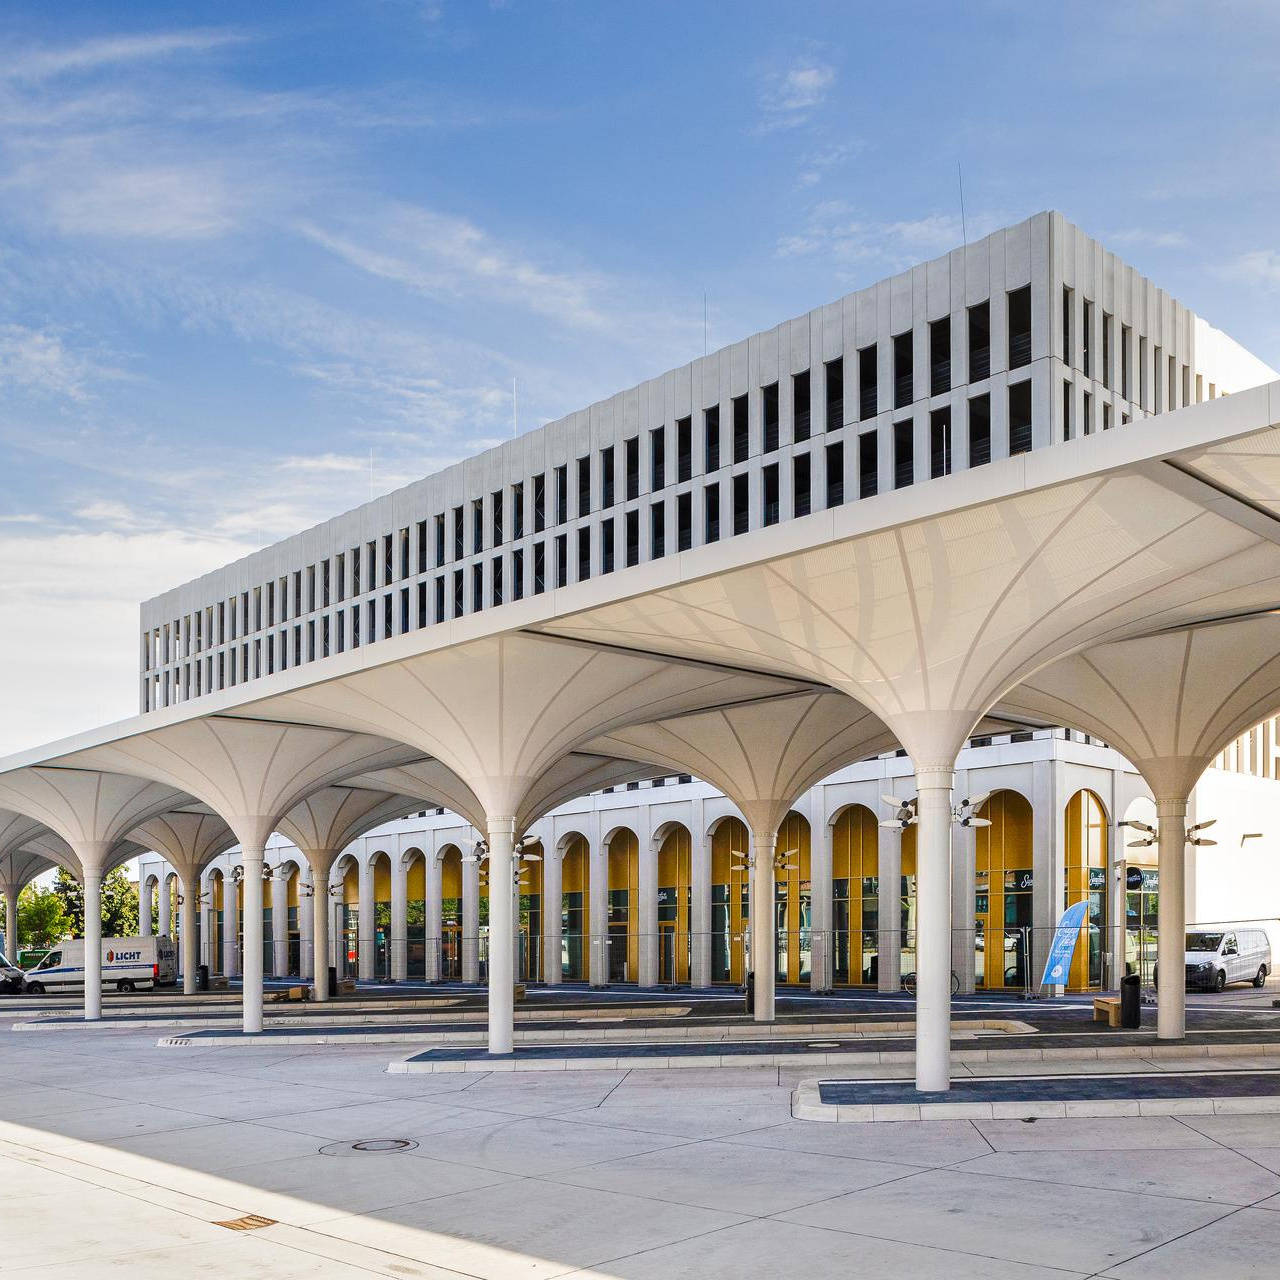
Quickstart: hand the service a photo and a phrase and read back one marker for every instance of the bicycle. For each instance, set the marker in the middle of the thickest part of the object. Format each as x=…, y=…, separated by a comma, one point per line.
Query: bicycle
x=909, y=983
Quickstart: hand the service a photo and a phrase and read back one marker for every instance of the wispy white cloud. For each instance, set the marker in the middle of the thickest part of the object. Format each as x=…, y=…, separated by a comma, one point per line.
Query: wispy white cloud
x=1148, y=238
x=835, y=231
x=40, y=360
x=821, y=163
x=789, y=95
x=33, y=64
x=440, y=254
x=1259, y=266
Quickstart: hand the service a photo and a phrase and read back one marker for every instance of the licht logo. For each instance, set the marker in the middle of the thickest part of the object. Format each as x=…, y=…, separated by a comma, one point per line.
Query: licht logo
x=111, y=955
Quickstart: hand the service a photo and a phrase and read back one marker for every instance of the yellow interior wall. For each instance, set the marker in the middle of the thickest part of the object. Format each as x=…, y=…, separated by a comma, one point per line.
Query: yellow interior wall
x=451, y=873
x=675, y=871
x=382, y=877
x=351, y=886
x=855, y=854
x=624, y=873
x=417, y=877
x=728, y=839
x=1003, y=846
x=794, y=841
x=1088, y=835
x=575, y=877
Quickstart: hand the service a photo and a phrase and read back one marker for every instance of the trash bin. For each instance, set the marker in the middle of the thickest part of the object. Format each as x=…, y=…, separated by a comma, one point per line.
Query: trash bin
x=749, y=993
x=202, y=978
x=1131, y=1002
x=333, y=981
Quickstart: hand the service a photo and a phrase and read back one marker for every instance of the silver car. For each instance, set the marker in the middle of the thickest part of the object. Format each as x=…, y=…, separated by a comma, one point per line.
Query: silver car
x=1218, y=956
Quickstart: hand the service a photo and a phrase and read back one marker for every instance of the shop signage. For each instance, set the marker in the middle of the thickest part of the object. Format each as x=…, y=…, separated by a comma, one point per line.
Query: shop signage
x=1142, y=879
x=1097, y=879
x=1064, y=944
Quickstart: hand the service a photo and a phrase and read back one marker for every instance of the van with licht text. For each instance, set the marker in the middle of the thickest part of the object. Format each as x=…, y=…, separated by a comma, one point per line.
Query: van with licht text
x=128, y=964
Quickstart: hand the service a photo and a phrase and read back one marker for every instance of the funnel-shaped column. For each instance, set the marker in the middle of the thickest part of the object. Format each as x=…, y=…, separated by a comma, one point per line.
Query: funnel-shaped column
x=933, y=931
x=502, y=841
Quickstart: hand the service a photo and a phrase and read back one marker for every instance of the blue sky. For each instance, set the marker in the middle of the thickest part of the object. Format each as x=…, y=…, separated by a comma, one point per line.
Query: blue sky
x=243, y=245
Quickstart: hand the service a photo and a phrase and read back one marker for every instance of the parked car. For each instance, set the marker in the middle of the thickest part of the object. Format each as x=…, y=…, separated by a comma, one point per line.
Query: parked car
x=127, y=964
x=1216, y=957
x=10, y=975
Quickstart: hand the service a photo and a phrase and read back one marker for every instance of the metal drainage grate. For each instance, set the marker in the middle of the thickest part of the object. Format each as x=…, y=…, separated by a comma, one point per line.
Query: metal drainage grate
x=250, y=1222
x=368, y=1146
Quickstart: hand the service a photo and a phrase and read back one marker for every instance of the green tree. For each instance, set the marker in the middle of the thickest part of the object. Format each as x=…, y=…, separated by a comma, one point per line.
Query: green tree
x=41, y=921
x=119, y=903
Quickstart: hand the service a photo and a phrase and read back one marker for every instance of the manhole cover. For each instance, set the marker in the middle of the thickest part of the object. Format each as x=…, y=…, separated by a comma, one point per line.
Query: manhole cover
x=368, y=1146
x=250, y=1222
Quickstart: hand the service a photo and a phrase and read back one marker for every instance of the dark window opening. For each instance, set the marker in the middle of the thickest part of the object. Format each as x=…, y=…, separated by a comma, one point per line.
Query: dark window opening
x=459, y=602
x=800, y=406
x=631, y=461
x=1066, y=326
x=477, y=587
x=741, y=499
x=711, y=430
x=633, y=538
x=477, y=525
x=835, y=394
x=459, y=550
x=903, y=383
x=495, y=517
x=439, y=603
x=684, y=522
x=868, y=464
x=657, y=459
x=1020, y=418
x=769, y=503
x=562, y=560
x=835, y=474
x=940, y=356
x=495, y=577
x=979, y=431
x=657, y=531
x=606, y=547
x=584, y=554
x=584, y=485
x=939, y=443
x=1020, y=327
x=562, y=494
x=769, y=416
x=1066, y=409
x=1086, y=340
x=711, y=513
x=539, y=503
x=868, y=390
x=539, y=568
x=517, y=510
x=980, y=342
x=741, y=434
x=1106, y=350
x=904, y=454
x=684, y=449
x=606, y=477
x=517, y=575
x=800, y=495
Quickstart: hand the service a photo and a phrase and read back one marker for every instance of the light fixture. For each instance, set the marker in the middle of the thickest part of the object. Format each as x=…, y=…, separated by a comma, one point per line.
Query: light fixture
x=1250, y=835
x=904, y=812
x=1194, y=836
x=965, y=813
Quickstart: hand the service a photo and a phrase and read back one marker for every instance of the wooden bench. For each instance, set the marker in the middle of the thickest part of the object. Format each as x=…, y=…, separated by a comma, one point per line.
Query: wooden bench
x=1108, y=1008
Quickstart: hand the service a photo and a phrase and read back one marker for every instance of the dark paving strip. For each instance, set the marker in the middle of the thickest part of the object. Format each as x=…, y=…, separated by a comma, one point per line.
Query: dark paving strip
x=1207, y=1084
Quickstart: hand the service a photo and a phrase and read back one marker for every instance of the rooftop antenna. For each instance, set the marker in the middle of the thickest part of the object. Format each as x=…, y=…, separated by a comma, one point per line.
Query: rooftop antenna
x=964, y=231
x=704, y=323
x=370, y=475
x=515, y=419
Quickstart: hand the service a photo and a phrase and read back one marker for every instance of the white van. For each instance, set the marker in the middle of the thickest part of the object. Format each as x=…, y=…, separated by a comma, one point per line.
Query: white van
x=1216, y=956
x=127, y=964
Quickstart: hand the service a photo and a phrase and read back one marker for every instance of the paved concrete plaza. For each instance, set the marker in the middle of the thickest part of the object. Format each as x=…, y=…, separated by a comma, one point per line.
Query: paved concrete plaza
x=118, y=1157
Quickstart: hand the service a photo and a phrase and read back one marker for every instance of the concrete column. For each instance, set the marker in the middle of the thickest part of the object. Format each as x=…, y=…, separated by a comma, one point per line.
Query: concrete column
x=471, y=921
x=1048, y=862
x=11, y=923
x=764, y=944
x=502, y=839
x=433, y=889
x=598, y=910
x=700, y=904
x=552, y=919
x=933, y=938
x=166, y=906
x=230, y=926
x=92, y=944
x=306, y=932
x=399, y=918
x=320, y=914
x=251, y=860
x=889, y=963
x=1171, y=1005
x=821, y=971
x=964, y=871
x=280, y=921
x=364, y=920
x=647, y=882
x=146, y=925
x=189, y=887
